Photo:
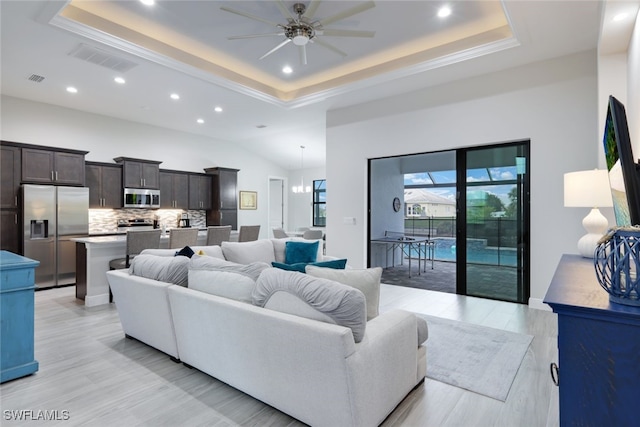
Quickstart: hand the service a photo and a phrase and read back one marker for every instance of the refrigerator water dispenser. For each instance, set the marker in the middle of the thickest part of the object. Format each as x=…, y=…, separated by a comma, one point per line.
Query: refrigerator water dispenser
x=39, y=228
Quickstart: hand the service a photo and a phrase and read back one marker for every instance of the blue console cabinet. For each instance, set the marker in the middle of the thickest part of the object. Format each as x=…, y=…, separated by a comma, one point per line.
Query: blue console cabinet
x=16, y=316
x=598, y=349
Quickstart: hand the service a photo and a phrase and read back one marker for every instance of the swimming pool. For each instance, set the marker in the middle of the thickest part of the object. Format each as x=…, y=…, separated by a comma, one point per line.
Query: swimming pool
x=477, y=252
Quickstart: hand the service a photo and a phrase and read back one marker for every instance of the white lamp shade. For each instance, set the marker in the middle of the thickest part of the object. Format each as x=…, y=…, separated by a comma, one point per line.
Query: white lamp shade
x=587, y=189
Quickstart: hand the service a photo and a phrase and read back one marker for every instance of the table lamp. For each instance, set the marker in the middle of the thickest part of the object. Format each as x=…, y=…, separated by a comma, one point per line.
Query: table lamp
x=589, y=189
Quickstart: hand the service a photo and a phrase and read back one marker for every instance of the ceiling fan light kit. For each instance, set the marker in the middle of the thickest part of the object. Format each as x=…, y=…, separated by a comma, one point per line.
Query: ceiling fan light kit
x=301, y=29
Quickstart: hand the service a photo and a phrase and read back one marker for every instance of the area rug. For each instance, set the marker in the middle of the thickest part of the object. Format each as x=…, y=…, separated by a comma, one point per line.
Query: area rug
x=476, y=358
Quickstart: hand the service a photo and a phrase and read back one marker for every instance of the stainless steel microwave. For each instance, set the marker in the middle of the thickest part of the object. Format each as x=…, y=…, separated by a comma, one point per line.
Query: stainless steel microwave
x=141, y=198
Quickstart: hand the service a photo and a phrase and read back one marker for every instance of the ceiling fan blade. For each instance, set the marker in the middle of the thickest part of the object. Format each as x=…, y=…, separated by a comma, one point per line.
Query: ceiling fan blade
x=285, y=12
x=347, y=13
x=302, y=50
x=252, y=36
x=345, y=33
x=275, y=48
x=329, y=46
x=250, y=16
x=311, y=9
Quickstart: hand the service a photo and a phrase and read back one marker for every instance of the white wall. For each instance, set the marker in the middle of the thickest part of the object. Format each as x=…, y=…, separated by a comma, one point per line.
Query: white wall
x=105, y=138
x=552, y=103
x=387, y=182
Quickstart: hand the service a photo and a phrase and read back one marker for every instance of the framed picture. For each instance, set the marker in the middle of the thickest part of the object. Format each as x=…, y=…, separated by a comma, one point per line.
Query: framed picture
x=248, y=200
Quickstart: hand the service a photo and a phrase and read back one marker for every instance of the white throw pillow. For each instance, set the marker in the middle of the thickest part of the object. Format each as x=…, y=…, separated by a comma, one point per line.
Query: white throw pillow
x=279, y=246
x=248, y=252
x=223, y=278
x=367, y=281
x=214, y=251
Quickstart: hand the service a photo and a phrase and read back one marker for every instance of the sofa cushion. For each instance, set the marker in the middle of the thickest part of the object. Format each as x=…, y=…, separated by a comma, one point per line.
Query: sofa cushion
x=423, y=330
x=248, y=252
x=329, y=300
x=300, y=266
x=224, y=278
x=279, y=246
x=162, y=268
x=296, y=252
x=214, y=251
x=367, y=281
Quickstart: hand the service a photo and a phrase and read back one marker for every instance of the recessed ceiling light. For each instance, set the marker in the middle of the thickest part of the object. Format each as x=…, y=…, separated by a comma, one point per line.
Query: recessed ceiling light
x=148, y=2
x=444, y=11
x=72, y=89
x=200, y=121
x=119, y=80
x=218, y=109
x=175, y=96
x=287, y=69
x=620, y=16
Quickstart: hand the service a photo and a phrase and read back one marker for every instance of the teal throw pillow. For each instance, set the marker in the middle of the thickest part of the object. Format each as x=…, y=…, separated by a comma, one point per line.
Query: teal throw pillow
x=296, y=252
x=300, y=266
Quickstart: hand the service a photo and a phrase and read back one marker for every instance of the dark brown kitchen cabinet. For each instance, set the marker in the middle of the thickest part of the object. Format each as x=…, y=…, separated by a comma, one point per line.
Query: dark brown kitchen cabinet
x=10, y=230
x=10, y=184
x=105, y=185
x=199, y=192
x=53, y=167
x=224, y=201
x=139, y=173
x=174, y=190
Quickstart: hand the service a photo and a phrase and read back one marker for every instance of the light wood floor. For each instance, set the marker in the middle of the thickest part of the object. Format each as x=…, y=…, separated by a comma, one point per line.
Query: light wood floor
x=89, y=369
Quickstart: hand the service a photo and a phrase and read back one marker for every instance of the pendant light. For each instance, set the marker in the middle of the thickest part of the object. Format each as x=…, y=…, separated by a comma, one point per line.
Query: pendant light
x=301, y=188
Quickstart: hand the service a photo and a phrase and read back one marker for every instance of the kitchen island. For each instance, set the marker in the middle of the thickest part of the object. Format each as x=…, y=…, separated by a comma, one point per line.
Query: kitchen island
x=92, y=262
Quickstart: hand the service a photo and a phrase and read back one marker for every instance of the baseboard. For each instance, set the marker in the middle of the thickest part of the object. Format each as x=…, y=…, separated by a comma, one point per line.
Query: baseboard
x=538, y=304
x=92, y=301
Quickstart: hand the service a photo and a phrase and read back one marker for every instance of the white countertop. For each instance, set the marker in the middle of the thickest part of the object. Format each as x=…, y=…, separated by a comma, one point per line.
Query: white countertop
x=120, y=239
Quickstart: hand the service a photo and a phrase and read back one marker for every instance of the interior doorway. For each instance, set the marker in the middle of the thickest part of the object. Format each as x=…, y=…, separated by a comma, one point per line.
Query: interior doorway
x=277, y=204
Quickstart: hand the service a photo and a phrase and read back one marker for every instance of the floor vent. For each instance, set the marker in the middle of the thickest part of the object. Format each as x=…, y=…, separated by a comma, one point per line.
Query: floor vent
x=101, y=57
x=35, y=78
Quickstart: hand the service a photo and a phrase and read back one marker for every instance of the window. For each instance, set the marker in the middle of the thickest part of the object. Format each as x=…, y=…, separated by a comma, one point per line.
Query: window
x=319, y=203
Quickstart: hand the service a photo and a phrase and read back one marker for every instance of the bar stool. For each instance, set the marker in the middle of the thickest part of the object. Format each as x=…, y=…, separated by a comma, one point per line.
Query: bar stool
x=181, y=237
x=248, y=233
x=137, y=241
x=217, y=234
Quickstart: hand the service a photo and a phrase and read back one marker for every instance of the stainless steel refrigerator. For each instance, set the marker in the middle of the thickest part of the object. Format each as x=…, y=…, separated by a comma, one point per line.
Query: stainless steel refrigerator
x=51, y=217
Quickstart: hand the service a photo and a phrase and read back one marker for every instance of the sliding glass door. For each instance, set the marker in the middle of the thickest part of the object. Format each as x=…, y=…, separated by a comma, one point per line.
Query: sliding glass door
x=493, y=222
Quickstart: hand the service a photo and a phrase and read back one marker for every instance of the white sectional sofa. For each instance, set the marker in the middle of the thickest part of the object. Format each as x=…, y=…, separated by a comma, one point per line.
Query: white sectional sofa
x=306, y=349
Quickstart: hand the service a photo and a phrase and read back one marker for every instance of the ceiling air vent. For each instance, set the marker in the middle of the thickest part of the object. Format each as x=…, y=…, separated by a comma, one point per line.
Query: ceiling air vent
x=102, y=58
x=35, y=78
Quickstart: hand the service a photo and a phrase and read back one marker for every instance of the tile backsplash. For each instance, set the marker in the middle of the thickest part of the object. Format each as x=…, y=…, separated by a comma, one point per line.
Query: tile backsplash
x=102, y=221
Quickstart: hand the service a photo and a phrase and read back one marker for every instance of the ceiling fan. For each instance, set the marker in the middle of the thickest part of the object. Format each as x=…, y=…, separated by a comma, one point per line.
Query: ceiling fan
x=301, y=28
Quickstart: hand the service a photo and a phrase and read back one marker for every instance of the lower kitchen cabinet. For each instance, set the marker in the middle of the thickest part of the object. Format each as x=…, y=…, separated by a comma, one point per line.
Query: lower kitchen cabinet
x=10, y=236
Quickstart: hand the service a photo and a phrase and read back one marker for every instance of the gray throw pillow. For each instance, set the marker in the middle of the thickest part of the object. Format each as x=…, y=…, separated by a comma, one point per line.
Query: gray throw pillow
x=162, y=268
x=333, y=301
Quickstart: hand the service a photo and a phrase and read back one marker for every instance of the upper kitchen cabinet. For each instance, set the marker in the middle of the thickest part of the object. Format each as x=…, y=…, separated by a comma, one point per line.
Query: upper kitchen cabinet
x=224, y=209
x=105, y=185
x=138, y=173
x=199, y=192
x=174, y=190
x=10, y=184
x=59, y=167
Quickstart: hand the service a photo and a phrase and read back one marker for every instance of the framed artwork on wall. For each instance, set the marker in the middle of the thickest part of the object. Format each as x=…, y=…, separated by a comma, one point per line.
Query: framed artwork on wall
x=248, y=200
